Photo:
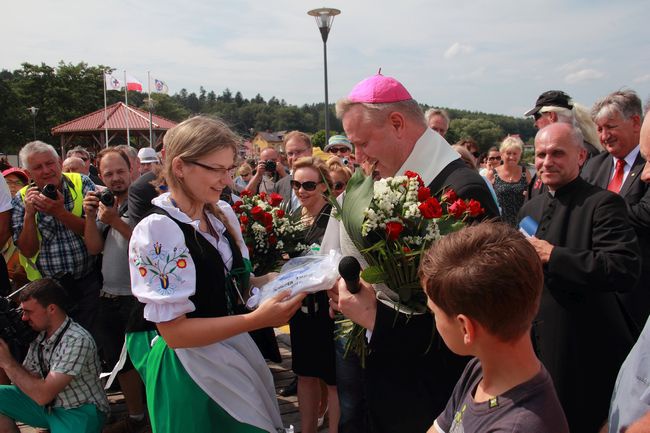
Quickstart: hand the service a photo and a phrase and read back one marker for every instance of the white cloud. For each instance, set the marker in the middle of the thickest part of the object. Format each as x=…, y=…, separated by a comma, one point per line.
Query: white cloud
x=456, y=49
x=583, y=75
x=642, y=79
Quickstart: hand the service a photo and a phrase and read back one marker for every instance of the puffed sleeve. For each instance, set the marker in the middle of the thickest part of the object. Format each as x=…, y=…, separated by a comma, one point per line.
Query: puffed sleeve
x=163, y=274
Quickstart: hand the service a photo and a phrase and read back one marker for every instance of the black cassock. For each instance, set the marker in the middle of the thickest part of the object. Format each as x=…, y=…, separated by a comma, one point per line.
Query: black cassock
x=582, y=333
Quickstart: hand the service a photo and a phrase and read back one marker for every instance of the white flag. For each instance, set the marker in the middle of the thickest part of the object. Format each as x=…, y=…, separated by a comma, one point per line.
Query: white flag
x=158, y=86
x=112, y=82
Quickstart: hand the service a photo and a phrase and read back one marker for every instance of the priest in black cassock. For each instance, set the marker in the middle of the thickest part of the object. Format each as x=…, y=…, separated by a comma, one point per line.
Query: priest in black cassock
x=589, y=251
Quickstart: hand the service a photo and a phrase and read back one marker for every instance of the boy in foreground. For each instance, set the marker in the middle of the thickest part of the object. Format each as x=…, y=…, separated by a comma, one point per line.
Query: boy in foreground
x=484, y=284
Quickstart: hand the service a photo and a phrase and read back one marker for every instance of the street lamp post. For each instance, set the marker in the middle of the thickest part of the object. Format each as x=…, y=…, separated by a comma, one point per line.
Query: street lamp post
x=324, y=19
x=33, y=111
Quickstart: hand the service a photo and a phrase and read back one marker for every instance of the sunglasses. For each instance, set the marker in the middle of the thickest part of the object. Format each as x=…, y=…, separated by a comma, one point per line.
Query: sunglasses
x=494, y=158
x=339, y=186
x=537, y=116
x=339, y=150
x=307, y=186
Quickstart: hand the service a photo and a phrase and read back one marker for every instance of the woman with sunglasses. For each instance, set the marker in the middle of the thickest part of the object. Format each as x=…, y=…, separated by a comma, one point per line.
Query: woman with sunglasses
x=188, y=265
x=511, y=179
x=312, y=329
x=339, y=173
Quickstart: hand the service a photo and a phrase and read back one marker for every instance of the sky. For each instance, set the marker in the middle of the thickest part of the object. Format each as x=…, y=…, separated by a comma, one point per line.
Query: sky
x=494, y=56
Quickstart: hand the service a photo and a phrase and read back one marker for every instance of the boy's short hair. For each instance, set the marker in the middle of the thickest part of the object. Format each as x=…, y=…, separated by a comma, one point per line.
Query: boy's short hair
x=45, y=291
x=488, y=272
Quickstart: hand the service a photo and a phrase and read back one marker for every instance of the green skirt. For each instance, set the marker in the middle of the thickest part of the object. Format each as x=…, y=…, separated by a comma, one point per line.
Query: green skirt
x=175, y=402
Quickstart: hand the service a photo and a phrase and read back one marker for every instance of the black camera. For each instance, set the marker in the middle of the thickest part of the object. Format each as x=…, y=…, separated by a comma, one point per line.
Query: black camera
x=49, y=191
x=270, y=166
x=106, y=197
x=12, y=327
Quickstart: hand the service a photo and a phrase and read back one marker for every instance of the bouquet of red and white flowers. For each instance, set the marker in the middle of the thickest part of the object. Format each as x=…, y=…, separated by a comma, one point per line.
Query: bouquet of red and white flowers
x=392, y=222
x=268, y=230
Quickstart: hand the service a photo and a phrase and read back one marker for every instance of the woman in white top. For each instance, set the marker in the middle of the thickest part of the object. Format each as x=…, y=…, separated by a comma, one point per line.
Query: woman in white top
x=201, y=369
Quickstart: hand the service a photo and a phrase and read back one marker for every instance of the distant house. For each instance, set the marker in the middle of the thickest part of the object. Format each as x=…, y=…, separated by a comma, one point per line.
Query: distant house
x=262, y=140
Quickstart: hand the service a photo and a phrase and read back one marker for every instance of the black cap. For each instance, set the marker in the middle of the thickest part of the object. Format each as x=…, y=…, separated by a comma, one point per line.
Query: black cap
x=553, y=98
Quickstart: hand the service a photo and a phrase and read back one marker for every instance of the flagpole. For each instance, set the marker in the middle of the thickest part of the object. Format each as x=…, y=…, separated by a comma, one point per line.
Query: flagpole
x=149, y=105
x=105, y=114
x=126, y=112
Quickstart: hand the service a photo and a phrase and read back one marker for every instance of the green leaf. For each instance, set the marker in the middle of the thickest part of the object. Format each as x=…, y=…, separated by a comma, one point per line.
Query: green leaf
x=373, y=275
x=358, y=196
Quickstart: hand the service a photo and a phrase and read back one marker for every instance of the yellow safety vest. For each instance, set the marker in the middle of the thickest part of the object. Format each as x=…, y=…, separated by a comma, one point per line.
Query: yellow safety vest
x=77, y=192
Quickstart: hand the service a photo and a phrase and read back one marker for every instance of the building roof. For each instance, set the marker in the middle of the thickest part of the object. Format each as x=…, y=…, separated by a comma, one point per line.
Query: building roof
x=114, y=119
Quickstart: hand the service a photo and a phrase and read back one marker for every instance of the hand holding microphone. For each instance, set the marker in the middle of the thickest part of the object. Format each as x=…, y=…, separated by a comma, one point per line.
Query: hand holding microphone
x=349, y=269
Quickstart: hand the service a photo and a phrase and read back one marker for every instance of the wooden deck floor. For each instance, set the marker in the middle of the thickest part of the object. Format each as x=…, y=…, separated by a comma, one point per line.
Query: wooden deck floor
x=282, y=376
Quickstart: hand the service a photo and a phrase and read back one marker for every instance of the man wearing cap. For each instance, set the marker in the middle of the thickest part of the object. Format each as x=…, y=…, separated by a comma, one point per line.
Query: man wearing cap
x=409, y=372
x=148, y=159
x=339, y=145
x=618, y=117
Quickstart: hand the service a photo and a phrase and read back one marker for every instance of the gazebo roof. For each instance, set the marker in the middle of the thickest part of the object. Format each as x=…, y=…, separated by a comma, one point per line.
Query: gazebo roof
x=115, y=120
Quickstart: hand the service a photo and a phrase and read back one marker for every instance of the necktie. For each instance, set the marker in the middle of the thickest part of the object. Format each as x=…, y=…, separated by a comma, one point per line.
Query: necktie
x=617, y=180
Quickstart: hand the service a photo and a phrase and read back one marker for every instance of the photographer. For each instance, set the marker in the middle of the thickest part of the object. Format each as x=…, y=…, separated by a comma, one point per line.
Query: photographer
x=57, y=387
x=269, y=172
x=48, y=225
x=107, y=231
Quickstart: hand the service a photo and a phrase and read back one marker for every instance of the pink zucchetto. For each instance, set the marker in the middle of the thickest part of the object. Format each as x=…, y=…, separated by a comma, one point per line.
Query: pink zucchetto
x=379, y=89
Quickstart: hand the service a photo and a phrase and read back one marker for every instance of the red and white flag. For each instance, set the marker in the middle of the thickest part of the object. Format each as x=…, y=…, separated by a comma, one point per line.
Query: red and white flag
x=112, y=82
x=133, y=83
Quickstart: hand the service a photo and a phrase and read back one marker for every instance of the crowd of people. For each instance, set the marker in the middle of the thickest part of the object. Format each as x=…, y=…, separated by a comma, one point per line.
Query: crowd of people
x=134, y=262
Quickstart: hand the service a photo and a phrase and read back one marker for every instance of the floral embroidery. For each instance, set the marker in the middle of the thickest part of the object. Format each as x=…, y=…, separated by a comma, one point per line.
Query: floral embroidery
x=161, y=266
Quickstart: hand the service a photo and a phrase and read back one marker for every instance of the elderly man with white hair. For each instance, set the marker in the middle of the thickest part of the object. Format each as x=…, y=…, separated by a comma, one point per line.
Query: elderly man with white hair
x=48, y=225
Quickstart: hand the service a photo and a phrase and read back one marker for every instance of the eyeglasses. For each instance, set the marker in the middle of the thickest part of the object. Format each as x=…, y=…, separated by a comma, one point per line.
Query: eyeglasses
x=220, y=171
x=307, y=186
x=494, y=158
x=339, y=186
x=341, y=149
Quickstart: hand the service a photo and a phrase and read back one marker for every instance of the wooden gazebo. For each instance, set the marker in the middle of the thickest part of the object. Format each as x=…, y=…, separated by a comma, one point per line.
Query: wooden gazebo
x=93, y=127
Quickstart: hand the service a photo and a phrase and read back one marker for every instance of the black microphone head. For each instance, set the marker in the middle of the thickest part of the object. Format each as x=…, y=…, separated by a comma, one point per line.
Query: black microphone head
x=349, y=268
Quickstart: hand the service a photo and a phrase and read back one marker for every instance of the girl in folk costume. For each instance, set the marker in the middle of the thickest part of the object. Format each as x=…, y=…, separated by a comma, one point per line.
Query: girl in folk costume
x=190, y=269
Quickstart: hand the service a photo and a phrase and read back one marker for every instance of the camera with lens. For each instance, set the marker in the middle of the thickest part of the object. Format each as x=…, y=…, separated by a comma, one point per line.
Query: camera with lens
x=106, y=197
x=270, y=166
x=12, y=327
x=49, y=191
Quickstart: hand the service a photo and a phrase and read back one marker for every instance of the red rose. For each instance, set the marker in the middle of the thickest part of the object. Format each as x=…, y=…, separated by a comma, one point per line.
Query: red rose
x=246, y=193
x=268, y=219
x=423, y=193
x=411, y=174
x=236, y=206
x=449, y=196
x=269, y=228
x=273, y=239
x=275, y=199
x=279, y=213
x=262, y=195
x=430, y=208
x=458, y=208
x=243, y=219
x=257, y=213
x=475, y=208
x=393, y=229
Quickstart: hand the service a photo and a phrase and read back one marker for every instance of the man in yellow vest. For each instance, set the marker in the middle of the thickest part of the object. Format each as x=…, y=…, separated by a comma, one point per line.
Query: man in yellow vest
x=48, y=225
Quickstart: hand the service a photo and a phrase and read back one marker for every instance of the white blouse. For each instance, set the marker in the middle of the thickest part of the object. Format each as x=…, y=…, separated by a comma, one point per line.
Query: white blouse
x=163, y=274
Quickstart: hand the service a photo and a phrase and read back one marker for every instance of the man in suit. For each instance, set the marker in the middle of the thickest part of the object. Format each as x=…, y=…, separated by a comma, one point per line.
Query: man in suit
x=296, y=145
x=589, y=252
x=409, y=372
x=618, y=117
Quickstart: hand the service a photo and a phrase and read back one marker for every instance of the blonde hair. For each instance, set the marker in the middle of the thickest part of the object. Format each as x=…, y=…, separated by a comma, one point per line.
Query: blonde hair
x=511, y=141
x=191, y=140
x=334, y=164
x=244, y=168
x=318, y=165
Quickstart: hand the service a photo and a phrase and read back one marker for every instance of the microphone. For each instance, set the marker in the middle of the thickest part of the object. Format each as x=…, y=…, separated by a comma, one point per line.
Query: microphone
x=349, y=268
